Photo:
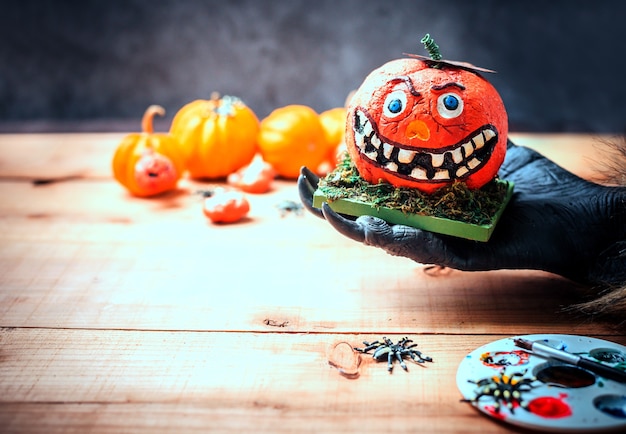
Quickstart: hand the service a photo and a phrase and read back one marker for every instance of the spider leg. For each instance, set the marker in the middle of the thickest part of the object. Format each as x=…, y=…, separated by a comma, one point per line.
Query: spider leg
x=399, y=357
x=417, y=356
x=479, y=395
x=426, y=358
x=368, y=346
x=526, y=384
x=390, y=361
x=480, y=383
x=406, y=341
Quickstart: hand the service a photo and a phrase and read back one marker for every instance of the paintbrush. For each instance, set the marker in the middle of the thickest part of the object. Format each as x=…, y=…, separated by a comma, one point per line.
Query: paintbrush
x=543, y=350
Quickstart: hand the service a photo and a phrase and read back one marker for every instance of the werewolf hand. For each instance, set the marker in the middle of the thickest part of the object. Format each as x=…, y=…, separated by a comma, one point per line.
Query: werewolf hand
x=555, y=222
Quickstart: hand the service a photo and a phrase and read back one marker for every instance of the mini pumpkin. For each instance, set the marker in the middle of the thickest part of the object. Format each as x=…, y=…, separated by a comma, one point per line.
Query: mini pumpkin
x=334, y=124
x=218, y=136
x=427, y=123
x=148, y=163
x=291, y=137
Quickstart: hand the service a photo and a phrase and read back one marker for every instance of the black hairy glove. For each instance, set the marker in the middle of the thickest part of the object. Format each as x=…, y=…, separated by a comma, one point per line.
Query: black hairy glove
x=555, y=222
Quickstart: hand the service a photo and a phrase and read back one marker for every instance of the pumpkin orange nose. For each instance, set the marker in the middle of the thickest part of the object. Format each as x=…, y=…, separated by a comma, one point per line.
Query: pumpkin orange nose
x=417, y=130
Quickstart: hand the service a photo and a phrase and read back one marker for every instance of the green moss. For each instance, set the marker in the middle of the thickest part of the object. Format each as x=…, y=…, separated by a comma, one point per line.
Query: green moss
x=455, y=202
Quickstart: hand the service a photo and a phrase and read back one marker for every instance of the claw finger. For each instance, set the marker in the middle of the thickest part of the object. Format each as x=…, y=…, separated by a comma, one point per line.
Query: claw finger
x=311, y=177
x=344, y=226
x=307, y=184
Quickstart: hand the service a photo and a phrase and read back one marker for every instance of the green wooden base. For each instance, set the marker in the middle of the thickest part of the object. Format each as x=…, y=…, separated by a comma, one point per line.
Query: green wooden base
x=426, y=222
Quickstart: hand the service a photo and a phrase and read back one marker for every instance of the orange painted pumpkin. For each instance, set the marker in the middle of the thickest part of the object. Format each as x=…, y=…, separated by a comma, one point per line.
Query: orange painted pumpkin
x=218, y=136
x=334, y=124
x=292, y=137
x=424, y=124
x=148, y=163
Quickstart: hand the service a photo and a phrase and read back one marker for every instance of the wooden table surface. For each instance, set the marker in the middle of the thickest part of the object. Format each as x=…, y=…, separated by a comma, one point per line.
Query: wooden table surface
x=120, y=314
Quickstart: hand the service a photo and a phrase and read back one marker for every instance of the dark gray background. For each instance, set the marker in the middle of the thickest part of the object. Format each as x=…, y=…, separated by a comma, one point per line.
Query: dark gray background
x=561, y=64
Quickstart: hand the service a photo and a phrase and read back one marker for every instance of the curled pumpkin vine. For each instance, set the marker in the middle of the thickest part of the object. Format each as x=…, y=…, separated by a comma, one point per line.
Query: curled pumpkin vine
x=431, y=47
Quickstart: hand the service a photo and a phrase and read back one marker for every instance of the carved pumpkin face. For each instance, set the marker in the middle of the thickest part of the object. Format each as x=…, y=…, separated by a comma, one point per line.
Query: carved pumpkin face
x=416, y=126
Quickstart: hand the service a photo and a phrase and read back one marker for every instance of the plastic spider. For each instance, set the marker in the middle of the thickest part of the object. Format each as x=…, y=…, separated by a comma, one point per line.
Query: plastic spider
x=505, y=389
x=289, y=206
x=387, y=350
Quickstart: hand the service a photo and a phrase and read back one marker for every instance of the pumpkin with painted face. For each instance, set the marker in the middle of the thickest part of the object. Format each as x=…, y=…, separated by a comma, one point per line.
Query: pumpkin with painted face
x=423, y=123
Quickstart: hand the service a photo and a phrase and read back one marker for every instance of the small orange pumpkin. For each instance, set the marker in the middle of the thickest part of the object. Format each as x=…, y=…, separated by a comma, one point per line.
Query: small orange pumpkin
x=292, y=137
x=334, y=123
x=424, y=124
x=218, y=136
x=148, y=163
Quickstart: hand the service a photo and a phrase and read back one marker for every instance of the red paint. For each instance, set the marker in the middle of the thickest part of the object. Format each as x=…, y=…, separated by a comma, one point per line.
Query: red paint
x=502, y=359
x=494, y=412
x=550, y=407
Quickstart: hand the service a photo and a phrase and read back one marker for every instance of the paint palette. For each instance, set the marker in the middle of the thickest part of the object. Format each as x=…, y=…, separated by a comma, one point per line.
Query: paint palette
x=552, y=396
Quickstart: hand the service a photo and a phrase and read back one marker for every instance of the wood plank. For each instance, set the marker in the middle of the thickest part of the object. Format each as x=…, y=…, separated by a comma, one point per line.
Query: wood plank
x=260, y=417
x=105, y=260
x=45, y=156
x=130, y=287
x=117, y=381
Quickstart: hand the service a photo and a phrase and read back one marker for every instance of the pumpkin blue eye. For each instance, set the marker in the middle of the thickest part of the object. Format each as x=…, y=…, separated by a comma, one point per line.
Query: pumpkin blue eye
x=451, y=102
x=449, y=105
x=394, y=104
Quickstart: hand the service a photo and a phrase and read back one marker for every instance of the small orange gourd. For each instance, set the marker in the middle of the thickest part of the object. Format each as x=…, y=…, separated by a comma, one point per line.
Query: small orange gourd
x=292, y=137
x=148, y=163
x=218, y=136
x=334, y=124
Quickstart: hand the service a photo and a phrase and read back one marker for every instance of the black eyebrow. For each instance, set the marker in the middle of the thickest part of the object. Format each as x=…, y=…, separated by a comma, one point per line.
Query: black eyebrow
x=443, y=86
x=407, y=80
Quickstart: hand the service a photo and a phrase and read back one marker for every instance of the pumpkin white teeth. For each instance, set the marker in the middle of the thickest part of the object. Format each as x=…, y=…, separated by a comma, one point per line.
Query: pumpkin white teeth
x=391, y=166
x=457, y=155
x=468, y=148
x=462, y=171
x=437, y=159
x=387, y=150
x=473, y=163
x=371, y=155
x=479, y=140
x=489, y=134
x=441, y=175
x=418, y=173
x=405, y=156
x=375, y=141
x=367, y=128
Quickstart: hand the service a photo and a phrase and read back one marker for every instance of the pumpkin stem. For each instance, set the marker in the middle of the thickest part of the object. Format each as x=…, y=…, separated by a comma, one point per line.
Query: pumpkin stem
x=431, y=47
x=148, y=116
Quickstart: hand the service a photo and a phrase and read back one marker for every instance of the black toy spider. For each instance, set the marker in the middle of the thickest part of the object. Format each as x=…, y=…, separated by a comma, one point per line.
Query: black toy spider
x=387, y=350
x=289, y=206
x=505, y=389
